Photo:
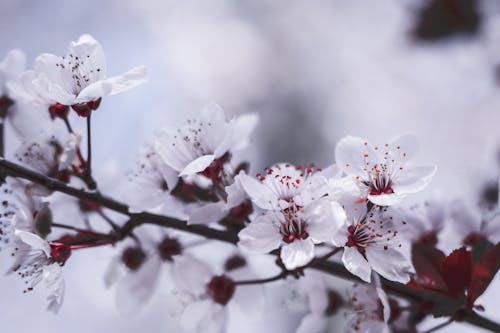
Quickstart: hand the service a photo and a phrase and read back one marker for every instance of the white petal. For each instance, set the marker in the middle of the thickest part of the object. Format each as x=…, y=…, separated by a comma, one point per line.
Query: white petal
x=382, y=297
x=235, y=192
x=113, y=85
x=298, y=253
x=198, y=165
x=54, y=282
x=13, y=64
x=91, y=50
x=260, y=236
x=260, y=194
x=194, y=314
x=34, y=241
x=414, y=179
x=191, y=275
x=324, y=218
x=209, y=213
x=241, y=129
x=51, y=91
x=113, y=272
x=356, y=264
x=407, y=144
x=312, y=323
x=386, y=199
x=390, y=263
x=136, y=288
x=350, y=155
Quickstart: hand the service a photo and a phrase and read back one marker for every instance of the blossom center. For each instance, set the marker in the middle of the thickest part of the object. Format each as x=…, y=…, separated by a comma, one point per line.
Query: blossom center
x=380, y=183
x=59, y=252
x=168, y=248
x=294, y=226
x=133, y=257
x=221, y=289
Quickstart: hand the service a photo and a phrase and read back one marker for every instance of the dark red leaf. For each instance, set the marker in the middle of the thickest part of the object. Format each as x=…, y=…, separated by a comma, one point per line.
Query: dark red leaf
x=483, y=273
x=456, y=271
x=427, y=262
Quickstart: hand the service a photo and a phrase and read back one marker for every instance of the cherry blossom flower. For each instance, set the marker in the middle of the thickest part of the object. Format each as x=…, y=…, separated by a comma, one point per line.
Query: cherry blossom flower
x=79, y=78
x=201, y=142
x=205, y=295
x=424, y=221
x=370, y=310
x=473, y=223
x=371, y=241
x=151, y=185
x=47, y=155
x=321, y=301
x=296, y=215
x=37, y=260
x=385, y=173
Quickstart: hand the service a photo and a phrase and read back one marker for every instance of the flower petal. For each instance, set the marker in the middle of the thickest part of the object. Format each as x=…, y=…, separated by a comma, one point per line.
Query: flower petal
x=413, y=179
x=198, y=165
x=390, y=263
x=356, y=264
x=324, y=218
x=191, y=275
x=260, y=236
x=34, y=241
x=113, y=85
x=298, y=253
x=260, y=194
x=209, y=213
x=241, y=129
x=350, y=155
x=312, y=323
x=54, y=282
x=386, y=199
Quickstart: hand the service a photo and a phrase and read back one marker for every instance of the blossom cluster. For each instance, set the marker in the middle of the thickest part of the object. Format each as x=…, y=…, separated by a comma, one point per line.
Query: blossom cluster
x=354, y=212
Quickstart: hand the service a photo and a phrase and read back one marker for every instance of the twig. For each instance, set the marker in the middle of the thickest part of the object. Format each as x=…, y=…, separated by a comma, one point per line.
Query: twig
x=438, y=327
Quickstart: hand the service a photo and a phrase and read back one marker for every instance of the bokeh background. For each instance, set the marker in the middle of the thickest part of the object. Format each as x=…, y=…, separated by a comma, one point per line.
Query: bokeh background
x=314, y=71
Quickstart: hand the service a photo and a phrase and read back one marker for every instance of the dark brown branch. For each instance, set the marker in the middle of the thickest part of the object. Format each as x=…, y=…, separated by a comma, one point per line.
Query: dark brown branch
x=136, y=219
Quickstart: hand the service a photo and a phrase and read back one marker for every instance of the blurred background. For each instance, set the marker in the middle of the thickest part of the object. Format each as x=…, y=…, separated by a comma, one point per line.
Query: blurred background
x=314, y=70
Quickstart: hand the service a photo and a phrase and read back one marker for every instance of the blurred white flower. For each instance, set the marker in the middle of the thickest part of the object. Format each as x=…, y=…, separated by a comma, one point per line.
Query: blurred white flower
x=77, y=79
x=195, y=146
x=296, y=217
x=206, y=296
x=370, y=310
x=473, y=223
x=383, y=172
x=37, y=260
x=370, y=242
x=11, y=68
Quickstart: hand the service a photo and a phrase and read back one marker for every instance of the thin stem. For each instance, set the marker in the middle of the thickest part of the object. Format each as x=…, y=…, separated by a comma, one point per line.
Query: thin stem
x=88, y=170
x=280, y=276
x=68, y=125
x=440, y=326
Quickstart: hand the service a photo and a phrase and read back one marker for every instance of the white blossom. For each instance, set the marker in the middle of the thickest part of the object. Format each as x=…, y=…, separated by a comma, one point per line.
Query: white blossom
x=11, y=68
x=79, y=77
x=34, y=263
x=372, y=241
x=201, y=141
x=384, y=173
x=296, y=216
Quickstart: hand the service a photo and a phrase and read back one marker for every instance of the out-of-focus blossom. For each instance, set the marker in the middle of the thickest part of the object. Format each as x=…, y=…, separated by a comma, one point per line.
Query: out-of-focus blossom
x=37, y=260
x=206, y=296
x=473, y=223
x=11, y=68
x=204, y=141
x=297, y=216
x=423, y=222
x=77, y=79
x=370, y=310
x=372, y=241
x=384, y=173
x=137, y=271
